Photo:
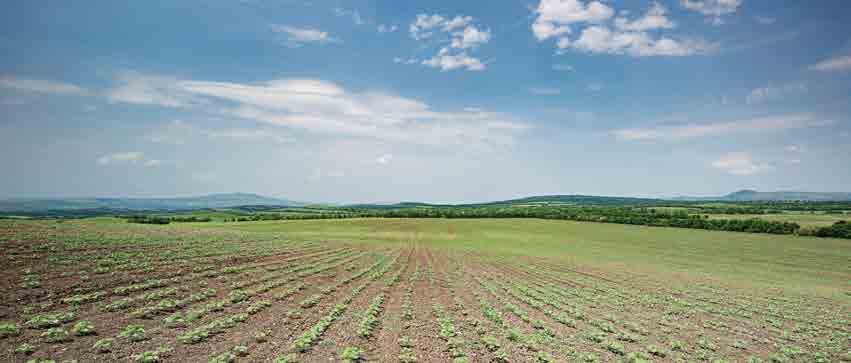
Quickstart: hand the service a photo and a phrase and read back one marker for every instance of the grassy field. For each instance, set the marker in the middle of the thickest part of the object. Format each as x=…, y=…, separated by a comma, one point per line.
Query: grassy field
x=797, y=263
x=417, y=290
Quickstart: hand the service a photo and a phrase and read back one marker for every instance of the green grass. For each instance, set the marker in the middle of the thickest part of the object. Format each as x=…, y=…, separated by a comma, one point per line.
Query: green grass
x=803, y=264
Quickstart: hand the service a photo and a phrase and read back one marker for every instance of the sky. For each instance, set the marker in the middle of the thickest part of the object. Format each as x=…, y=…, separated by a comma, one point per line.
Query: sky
x=439, y=101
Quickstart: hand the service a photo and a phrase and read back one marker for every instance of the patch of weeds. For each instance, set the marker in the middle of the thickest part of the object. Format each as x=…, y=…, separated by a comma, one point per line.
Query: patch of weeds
x=56, y=335
x=104, y=345
x=351, y=354
x=153, y=356
x=83, y=327
x=289, y=358
x=638, y=357
x=133, y=332
x=614, y=347
x=25, y=348
x=656, y=351
x=8, y=329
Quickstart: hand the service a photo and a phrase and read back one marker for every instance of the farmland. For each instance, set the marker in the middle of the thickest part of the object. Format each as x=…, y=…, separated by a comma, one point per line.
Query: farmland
x=418, y=290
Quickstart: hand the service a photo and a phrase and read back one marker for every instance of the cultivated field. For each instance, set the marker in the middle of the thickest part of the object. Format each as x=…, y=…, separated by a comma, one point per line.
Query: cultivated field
x=418, y=290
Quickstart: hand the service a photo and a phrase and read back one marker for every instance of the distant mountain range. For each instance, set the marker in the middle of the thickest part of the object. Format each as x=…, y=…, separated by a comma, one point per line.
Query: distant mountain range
x=28, y=205
x=747, y=195
x=99, y=206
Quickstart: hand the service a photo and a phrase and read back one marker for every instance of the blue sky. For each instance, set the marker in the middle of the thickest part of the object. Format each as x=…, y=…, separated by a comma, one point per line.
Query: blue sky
x=444, y=101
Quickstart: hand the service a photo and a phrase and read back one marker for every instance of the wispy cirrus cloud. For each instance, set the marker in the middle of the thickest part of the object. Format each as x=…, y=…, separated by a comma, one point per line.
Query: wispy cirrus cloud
x=770, y=93
x=128, y=157
x=740, y=163
x=326, y=107
x=779, y=122
x=835, y=64
x=296, y=37
x=41, y=86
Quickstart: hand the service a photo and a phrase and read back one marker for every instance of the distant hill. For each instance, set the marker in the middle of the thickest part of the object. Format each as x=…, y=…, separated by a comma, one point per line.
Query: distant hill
x=748, y=195
x=540, y=199
x=33, y=205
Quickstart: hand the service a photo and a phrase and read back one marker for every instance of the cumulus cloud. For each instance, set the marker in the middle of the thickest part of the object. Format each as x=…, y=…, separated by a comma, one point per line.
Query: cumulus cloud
x=779, y=122
x=602, y=40
x=470, y=37
x=325, y=107
x=713, y=10
x=297, y=37
x=740, y=163
x=836, y=64
x=655, y=18
x=769, y=93
x=447, y=62
x=458, y=38
x=41, y=86
x=624, y=36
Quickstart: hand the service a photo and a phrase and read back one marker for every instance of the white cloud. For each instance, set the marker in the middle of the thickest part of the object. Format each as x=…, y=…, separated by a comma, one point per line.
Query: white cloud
x=563, y=67
x=447, y=62
x=41, y=86
x=601, y=40
x=401, y=60
x=138, y=88
x=325, y=107
x=623, y=37
x=713, y=10
x=384, y=159
x=121, y=157
x=459, y=36
x=386, y=28
x=769, y=93
x=545, y=91
x=780, y=122
x=740, y=163
x=178, y=132
x=655, y=18
x=249, y=135
x=471, y=37
x=836, y=64
x=554, y=16
x=423, y=24
x=297, y=37
x=152, y=163
x=355, y=15
x=765, y=20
